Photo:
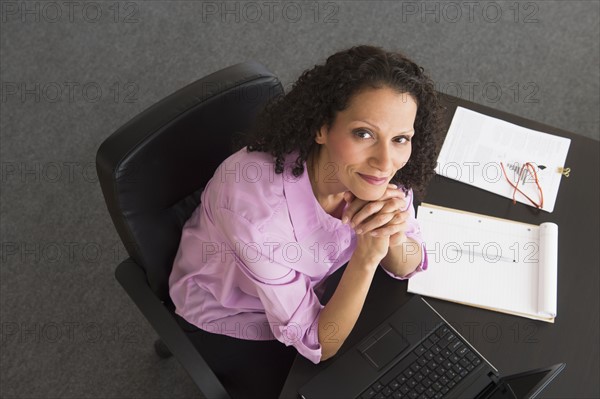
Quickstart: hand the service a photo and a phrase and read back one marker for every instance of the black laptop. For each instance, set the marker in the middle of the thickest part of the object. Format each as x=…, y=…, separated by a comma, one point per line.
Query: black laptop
x=415, y=353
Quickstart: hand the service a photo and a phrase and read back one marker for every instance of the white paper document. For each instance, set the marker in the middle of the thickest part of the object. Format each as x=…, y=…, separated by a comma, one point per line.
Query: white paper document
x=487, y=262
x=478, y=146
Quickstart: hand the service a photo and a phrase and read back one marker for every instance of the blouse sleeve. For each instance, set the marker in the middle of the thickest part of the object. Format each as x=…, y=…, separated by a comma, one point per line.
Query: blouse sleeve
x=413, y=232
x=274, y=268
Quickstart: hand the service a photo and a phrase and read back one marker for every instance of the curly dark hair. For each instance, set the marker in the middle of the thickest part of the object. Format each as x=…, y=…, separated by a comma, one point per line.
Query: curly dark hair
x=290, y=122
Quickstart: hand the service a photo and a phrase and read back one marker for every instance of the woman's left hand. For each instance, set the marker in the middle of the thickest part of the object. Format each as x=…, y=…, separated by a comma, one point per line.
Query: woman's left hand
x=384, y=216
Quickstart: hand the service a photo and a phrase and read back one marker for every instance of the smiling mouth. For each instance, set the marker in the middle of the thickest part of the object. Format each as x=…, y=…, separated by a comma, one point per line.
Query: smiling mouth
x=373, y=180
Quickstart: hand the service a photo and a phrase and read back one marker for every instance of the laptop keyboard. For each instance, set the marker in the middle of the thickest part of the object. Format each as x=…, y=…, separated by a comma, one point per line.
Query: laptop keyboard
x=431, y=370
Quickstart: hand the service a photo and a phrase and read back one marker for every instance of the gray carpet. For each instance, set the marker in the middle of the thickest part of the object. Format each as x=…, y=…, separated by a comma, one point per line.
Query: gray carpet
x=70, y=77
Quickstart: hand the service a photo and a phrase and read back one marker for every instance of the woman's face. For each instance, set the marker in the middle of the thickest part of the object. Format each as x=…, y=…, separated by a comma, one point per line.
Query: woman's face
x=368, y=143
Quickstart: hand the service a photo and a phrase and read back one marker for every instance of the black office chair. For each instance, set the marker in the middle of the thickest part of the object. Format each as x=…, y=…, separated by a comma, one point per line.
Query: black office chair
x=152, y=171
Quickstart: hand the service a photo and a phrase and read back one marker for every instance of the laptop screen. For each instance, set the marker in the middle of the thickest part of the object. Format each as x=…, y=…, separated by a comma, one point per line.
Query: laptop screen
x=523, y=386
x=526, y=385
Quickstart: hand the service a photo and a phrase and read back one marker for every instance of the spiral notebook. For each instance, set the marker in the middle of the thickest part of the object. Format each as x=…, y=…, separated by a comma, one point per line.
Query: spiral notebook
x=487, y=262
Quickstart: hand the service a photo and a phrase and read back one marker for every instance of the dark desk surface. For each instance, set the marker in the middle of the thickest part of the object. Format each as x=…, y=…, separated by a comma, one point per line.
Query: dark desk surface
x=511, y=343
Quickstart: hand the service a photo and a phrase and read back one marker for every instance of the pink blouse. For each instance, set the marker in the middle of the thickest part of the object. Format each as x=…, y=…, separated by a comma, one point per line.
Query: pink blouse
x=254, y=252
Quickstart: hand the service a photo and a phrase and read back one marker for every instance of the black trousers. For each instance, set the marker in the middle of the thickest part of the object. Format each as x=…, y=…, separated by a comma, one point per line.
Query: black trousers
x=247, y=369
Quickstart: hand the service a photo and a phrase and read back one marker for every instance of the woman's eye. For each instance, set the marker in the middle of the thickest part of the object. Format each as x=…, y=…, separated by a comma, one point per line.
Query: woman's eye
x=363, y=134
x=402, y=139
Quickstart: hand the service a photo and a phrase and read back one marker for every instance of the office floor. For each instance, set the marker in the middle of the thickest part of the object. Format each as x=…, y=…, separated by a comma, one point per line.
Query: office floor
x=71, y=74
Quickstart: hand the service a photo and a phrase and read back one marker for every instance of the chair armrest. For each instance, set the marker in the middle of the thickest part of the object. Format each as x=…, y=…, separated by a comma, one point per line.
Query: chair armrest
x=133, y=279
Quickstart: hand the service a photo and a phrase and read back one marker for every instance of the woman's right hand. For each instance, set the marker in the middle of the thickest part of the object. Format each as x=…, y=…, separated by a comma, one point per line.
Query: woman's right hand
x=372, y=249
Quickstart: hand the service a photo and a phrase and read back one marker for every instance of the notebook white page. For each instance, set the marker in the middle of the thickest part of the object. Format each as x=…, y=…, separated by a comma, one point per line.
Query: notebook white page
x=476, y=144
x=488, y=262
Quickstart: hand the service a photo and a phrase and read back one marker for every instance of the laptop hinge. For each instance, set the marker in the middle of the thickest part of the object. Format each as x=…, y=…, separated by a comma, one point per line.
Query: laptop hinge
x=494, y=378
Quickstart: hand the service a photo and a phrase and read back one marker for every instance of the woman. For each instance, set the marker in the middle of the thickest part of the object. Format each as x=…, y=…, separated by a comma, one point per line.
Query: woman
x=327, y=179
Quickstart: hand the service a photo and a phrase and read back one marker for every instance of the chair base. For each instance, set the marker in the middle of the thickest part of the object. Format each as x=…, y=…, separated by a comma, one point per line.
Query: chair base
x=161, y=349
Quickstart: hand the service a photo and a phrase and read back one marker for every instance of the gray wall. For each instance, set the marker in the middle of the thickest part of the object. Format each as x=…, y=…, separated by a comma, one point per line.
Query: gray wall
x=68, y=329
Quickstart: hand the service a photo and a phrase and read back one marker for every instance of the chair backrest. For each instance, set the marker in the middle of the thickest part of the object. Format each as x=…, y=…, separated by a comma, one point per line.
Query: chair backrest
x=153, y=169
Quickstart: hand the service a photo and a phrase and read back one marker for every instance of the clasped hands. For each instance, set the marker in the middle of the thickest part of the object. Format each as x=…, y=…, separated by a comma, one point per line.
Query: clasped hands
x=384, y=217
